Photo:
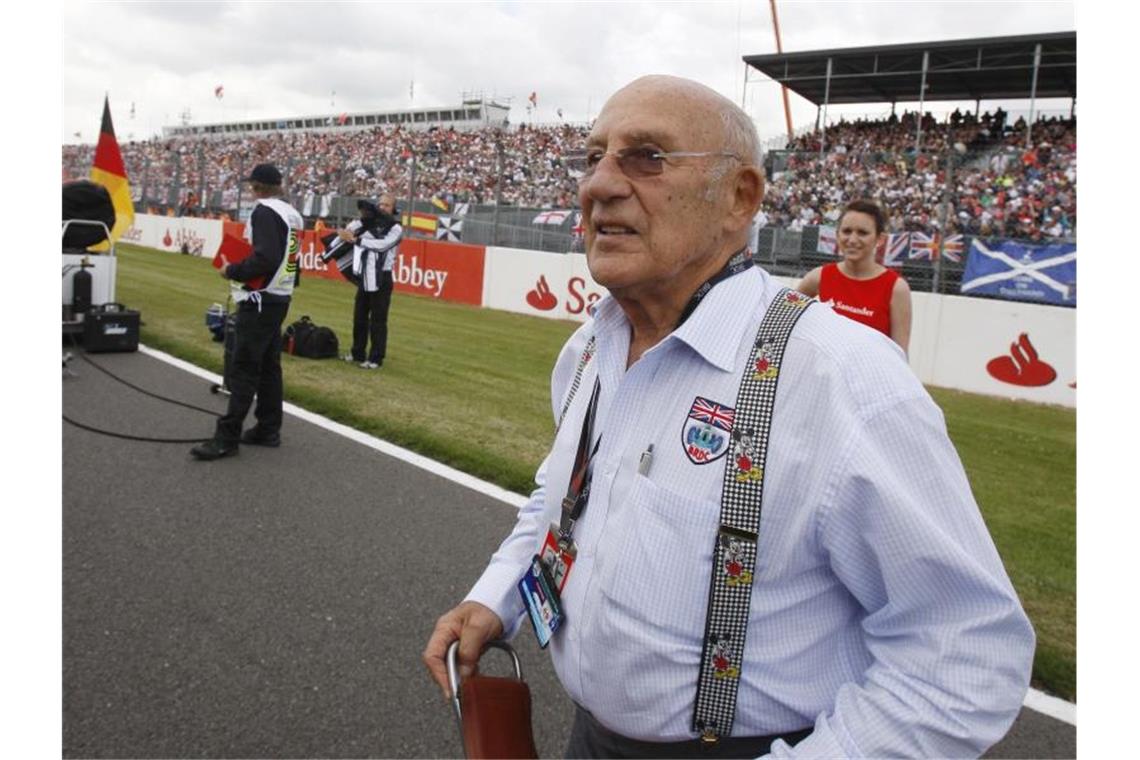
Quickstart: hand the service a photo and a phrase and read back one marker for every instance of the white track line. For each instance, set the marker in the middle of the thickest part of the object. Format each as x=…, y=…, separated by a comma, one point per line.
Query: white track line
x=1034, y=700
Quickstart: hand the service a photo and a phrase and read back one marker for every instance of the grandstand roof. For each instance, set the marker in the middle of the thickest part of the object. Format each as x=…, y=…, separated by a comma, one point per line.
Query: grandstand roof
x=983, y=68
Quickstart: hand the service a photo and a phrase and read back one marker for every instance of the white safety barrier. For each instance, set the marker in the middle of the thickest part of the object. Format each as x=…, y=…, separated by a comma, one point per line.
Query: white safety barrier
x=999, y=348
x=197, y=237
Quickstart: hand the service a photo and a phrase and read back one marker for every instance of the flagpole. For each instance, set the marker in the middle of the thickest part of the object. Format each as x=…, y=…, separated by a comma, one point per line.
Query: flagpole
x=779, y=49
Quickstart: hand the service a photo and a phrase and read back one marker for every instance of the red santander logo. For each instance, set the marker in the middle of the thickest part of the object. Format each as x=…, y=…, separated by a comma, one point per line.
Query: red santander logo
x=1022, y=366
x=541, y=298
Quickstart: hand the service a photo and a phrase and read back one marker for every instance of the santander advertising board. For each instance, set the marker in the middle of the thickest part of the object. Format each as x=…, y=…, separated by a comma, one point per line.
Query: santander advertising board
x=552, y=285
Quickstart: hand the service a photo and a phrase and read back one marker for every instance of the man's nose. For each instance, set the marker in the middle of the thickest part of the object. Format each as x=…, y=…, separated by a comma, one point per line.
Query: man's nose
x=606, y=181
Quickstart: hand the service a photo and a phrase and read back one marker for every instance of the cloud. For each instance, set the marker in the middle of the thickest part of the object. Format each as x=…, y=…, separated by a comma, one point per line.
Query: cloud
x=286, y=59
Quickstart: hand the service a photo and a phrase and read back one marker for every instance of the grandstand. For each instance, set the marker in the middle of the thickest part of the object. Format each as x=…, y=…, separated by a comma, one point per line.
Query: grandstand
x=973, y=174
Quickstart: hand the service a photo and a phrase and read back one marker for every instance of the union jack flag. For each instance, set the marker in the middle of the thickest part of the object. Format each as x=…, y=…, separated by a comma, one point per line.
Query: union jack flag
x=895, y=249
x=923, y=246
x=954, y=247
x=713, y=413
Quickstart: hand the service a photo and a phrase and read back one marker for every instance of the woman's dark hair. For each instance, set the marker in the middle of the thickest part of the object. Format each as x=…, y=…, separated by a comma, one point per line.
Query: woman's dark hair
x=871, y=209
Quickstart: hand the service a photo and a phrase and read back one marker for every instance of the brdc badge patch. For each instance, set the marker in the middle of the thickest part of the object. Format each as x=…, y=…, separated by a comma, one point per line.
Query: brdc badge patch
x=706, y=434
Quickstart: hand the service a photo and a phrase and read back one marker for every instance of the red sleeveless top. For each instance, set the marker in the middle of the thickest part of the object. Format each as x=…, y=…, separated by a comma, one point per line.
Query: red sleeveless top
x=866, y=301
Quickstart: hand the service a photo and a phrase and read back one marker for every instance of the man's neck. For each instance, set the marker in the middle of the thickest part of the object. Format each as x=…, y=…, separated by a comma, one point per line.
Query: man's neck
x=653, y=313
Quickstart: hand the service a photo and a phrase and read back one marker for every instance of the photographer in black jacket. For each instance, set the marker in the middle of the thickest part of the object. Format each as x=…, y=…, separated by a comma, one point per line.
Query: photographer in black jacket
x=375, y=238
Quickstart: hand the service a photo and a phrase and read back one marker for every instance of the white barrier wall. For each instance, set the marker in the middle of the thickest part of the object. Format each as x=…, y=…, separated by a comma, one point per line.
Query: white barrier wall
x=552, y=285
x=976, y=345
x=170, y=233
x=999, y=348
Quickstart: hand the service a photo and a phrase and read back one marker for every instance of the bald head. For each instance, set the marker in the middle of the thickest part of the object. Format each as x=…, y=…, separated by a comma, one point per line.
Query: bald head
x=737, y=132
x=677, y=197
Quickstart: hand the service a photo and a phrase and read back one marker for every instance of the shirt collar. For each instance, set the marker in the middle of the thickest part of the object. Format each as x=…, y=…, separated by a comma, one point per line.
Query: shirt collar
x=715, y=329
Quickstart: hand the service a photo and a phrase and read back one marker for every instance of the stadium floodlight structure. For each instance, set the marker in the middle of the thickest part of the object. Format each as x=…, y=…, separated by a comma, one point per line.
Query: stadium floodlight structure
x=1022, y=67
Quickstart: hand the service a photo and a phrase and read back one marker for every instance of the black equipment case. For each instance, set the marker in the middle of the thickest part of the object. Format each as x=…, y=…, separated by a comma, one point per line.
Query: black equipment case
x=111, y=327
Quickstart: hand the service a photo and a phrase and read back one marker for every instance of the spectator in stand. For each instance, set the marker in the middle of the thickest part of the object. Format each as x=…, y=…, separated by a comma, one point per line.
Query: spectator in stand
x=858, y=287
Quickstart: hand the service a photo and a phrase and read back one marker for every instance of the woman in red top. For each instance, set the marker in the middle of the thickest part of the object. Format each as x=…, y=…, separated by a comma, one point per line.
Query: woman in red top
x=858, y=286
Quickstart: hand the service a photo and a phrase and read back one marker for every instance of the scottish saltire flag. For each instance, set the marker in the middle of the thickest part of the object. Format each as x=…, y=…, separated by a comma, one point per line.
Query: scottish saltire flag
x=896, y=248
x=109, y=171
x=1020, y=272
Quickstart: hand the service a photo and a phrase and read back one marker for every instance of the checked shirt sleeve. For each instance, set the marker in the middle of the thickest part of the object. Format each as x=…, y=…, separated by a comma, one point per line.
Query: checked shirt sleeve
x=951, y=648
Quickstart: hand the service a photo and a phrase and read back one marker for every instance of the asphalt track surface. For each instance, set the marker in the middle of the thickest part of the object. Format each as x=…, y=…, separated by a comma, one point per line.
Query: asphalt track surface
x=275, y=604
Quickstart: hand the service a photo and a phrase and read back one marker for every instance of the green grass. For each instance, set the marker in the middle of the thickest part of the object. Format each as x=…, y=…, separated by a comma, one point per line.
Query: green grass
x=470, y=387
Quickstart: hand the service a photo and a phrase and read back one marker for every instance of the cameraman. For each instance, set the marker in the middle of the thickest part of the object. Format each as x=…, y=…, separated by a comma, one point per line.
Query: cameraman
x=375, y=238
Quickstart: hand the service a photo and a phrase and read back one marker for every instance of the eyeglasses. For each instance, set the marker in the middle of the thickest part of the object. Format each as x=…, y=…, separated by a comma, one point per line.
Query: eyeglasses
x=635, y=163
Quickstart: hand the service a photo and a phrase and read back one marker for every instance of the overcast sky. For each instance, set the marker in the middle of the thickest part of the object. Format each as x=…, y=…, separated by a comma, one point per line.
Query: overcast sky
x=280, y=59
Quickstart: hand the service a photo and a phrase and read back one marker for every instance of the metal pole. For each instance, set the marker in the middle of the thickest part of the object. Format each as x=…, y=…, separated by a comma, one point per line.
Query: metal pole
x=146, y=179
x=1033, y=95
x=826, y=98
x=945, y=210
x=241, y=175
x=411, y=189
x=498, y=190
x=201, y=176
x=744, y=89
x=780, y=49
x=177, y=184
x=921, y=101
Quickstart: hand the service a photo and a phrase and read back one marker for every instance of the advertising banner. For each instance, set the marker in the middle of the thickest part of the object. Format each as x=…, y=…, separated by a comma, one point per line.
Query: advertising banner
x=447, y=271
x=189, y=235
x=552, y=285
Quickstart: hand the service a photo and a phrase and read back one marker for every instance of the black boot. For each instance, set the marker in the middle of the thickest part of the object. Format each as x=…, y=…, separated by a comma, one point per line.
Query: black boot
x=213, y=449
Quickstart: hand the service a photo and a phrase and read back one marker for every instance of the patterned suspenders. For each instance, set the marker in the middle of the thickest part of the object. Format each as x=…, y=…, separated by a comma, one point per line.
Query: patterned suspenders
x=734, y=556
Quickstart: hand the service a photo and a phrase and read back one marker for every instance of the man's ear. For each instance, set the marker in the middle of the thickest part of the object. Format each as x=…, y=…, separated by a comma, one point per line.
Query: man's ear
x=747, y=195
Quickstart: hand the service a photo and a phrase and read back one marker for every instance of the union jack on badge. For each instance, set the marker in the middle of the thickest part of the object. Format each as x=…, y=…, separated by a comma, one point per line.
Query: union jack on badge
x=705, y=434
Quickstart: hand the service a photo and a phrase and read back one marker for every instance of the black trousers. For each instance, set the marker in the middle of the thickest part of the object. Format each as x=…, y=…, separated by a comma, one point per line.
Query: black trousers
x=590, y=739
x=254, y=370
x=370, y=321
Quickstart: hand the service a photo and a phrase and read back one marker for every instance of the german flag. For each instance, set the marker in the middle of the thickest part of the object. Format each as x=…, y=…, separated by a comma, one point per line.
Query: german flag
x=108, y=170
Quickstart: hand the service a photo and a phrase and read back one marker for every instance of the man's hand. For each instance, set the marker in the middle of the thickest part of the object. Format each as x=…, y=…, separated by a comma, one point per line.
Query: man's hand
x=346, y=236
x=474, y=625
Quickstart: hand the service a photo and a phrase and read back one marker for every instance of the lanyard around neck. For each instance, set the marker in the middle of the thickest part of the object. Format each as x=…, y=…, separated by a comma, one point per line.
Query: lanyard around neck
x=739, y=262
x=578, y=490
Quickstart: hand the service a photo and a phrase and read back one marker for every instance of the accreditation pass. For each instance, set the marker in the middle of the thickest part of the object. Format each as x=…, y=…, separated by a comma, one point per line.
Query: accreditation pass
x=540, y=595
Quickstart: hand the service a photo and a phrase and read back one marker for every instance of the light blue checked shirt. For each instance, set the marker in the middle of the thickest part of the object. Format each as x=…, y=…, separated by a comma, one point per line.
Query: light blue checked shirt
x=881, y=613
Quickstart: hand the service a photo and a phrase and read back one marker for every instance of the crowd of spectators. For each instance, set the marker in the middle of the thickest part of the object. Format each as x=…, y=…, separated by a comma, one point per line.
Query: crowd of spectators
x=991, y=183
x=453, y=165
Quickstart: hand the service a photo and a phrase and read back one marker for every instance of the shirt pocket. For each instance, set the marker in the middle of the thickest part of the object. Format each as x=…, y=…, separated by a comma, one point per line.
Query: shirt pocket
x=661, y=560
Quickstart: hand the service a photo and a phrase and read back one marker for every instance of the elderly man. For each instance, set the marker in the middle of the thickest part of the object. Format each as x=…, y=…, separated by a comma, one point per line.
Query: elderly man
x=866, y=613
